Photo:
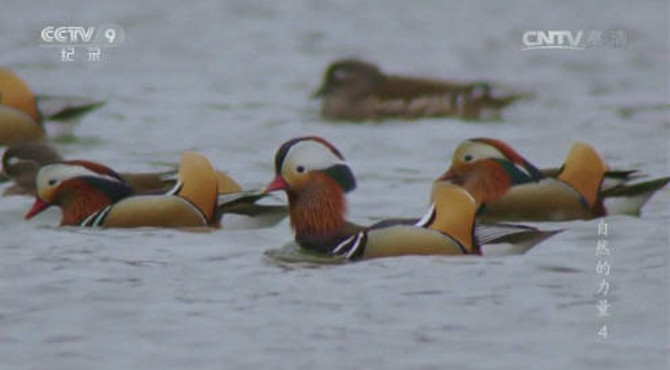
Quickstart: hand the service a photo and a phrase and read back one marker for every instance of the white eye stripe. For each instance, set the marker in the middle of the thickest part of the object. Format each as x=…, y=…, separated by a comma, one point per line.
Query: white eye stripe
x=311, y=155
x=62, y=172
x=479, y=151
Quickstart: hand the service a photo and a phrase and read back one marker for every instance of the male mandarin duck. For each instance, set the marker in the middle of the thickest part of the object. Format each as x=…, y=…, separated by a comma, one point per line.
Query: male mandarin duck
x=509, y=187
x=22, y=114
x=316, y=178
x=21, y=162
x=356, y=90
x=91, y=194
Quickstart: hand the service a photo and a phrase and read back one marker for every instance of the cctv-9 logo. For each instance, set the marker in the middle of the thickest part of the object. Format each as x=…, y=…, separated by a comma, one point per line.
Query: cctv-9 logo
x=104, y=36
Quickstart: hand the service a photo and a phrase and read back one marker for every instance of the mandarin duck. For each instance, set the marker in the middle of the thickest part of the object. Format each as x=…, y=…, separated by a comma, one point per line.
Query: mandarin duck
x=91, y=194
x=21, y=162
x=315, y=176
x=509, y=187
x=356, y=90
x=22, y=114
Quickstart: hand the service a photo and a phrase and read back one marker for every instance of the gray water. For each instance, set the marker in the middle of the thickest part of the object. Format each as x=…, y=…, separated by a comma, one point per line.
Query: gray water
x=231, y=80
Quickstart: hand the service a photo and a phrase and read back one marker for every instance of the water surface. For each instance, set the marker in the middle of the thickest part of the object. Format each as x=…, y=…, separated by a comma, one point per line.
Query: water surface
x=231, y=80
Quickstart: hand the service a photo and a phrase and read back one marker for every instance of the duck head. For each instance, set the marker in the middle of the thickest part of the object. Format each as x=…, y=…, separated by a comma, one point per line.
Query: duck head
x=315, y=177
x=25, y=159
x=350, y=76
x=487, y=168
x=79, y=188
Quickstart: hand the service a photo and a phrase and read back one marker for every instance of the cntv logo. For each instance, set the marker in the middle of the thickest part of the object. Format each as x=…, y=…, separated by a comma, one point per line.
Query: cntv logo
x=550, y=39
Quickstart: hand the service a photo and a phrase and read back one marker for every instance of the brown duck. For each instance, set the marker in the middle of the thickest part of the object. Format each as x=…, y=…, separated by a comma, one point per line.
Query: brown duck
x=356, y=90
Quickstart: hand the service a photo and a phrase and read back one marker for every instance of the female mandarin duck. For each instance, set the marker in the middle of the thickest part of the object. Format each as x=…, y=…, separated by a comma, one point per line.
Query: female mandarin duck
x=356, y=90
x=509, y=187
x=316, y=178
x=91, y=194
x=21, y=119
x=20, y=164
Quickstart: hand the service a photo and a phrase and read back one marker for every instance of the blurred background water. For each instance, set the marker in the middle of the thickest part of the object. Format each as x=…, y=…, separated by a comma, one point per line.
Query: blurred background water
x=231, y=79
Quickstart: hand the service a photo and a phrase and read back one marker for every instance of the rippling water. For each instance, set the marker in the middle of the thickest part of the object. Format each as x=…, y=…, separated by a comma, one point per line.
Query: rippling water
x=231, y=79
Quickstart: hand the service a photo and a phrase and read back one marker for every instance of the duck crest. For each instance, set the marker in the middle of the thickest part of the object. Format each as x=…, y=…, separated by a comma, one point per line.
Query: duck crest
x=95, y=167
x=503, y=147
x=318, y=208
x=512, y=155
x=283, y=151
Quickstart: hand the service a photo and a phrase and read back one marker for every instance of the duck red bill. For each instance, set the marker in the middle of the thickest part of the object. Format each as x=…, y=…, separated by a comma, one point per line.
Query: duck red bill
x=277, y=184
x=37, y=207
